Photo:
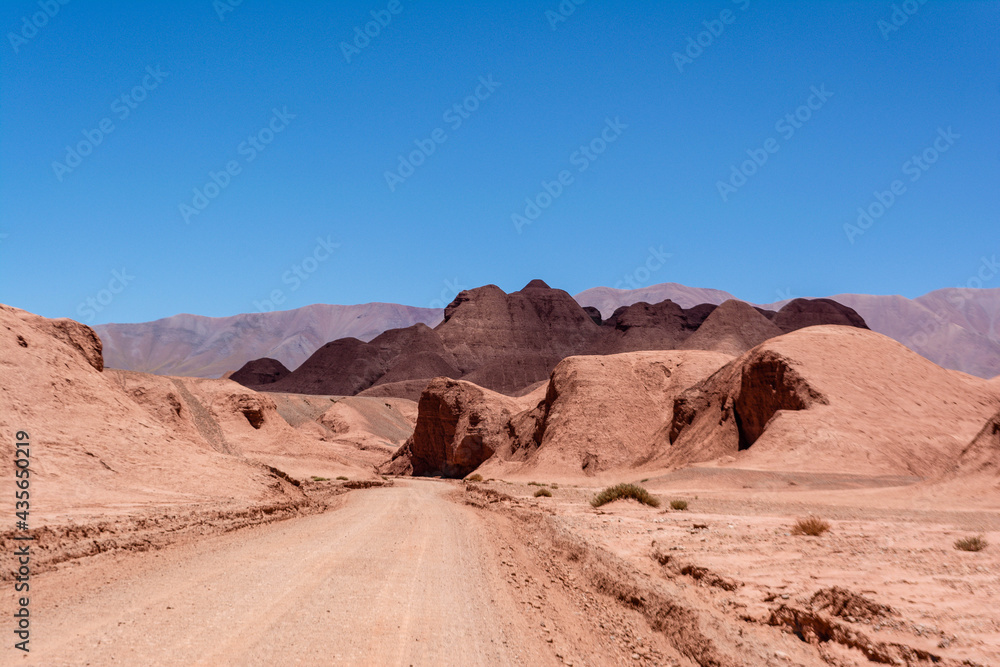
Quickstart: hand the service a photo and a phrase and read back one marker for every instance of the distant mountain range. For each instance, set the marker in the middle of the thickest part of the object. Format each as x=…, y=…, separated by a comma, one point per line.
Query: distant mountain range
x=210, y=347
x=955, y=328
x=510, y=342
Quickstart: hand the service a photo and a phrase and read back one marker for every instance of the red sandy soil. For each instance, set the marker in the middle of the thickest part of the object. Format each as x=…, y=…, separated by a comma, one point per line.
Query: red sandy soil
x=426, y=572
x=186, y=521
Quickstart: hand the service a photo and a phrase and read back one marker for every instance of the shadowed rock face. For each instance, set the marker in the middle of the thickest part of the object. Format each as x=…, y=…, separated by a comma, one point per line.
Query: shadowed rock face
x=829, y=399
x=260, y=372
x=801, y=313
x=982, y=455
x=78, y=336
x=459, y=426
x=594, y=314
x=825, y=399
x=348, y=366
x=596, y=413
x=768, y=384
x=506, y=342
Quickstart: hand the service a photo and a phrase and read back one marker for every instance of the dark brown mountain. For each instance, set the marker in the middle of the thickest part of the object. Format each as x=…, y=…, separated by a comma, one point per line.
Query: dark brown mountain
x=801, y=313
x=733, y=328
x=507, y=342
x=347, y=366
x=260, y=372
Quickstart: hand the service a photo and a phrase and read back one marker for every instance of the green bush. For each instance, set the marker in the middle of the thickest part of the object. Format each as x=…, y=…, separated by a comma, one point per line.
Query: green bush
x=678, y=505
x=342, y=478
x=474, y=477
x=320, y=479
x=976, y=543
x=624, y=492
x=543, y=493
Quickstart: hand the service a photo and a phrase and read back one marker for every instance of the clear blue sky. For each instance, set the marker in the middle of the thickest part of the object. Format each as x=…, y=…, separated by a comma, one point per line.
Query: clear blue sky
x=676, y=130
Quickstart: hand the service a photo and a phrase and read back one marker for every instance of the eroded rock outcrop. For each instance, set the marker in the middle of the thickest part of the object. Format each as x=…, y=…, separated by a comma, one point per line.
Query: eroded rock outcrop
x=601, y=413
x=459, y=425
x=829, y=399
x=115, y=437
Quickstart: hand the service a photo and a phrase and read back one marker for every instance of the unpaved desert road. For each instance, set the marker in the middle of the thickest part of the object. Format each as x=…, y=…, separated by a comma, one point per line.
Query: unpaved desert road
x=398, y=575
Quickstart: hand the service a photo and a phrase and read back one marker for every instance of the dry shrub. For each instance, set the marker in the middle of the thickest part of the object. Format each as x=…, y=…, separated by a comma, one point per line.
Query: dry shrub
x=811, y=525
x=543, y=493
x=976, y=543
x=625, y=492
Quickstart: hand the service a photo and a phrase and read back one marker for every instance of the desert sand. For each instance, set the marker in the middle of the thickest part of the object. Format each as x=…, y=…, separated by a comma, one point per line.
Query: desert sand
x=180, y=520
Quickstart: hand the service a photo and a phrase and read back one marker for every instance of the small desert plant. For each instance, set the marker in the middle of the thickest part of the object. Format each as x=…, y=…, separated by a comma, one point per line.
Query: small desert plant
x=342, y=478
x=543, y=493
x=535, y=484
x=811, y=525
x=320, y=479
x=623, y=492
x=474, y=477
x=554, y=486
x=678, y=504
x=976, y=543
x=644, y=481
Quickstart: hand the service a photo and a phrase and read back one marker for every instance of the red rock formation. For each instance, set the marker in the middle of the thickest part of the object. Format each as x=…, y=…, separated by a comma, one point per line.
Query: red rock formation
x=732, y=328
x=116, y=437
x=459, y=425
x=347, y=366
x=601, y=413
x=829, y=399
x=506, y=342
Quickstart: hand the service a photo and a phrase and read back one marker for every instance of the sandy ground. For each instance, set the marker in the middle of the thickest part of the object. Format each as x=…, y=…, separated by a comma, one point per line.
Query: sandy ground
x=400, y=575
x=430, y=572
x=732, y=560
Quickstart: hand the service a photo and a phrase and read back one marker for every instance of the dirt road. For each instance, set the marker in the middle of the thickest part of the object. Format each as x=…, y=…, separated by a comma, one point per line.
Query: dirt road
x=395, y=576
